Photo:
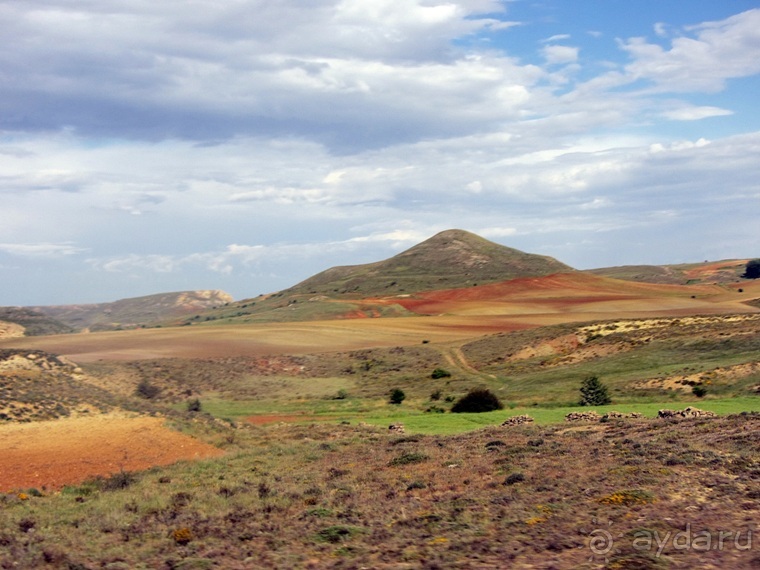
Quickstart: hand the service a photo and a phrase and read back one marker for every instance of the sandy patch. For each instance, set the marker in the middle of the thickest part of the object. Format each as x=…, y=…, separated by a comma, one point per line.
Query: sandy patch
x=684, y=382
x=11, y=330
x=57, y=453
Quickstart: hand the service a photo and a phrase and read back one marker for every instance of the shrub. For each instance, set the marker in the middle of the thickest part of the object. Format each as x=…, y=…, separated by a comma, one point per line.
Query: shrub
x=626, y=498
x=335, y=534
x=436, y=395
x=341, y=395
x=440, y=373
x=147, y=390
x=699, y=391
x=117, y=481
x=753, y=269
x=182, y=535
x=514, y=478
x=476, y=401
x=594, y=393
x=408, y=457
x=397, y=396
x=194, y=405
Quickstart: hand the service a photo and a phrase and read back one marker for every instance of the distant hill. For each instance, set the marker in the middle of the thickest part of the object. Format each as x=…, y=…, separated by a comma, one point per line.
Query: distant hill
x=30, y=322
x=725, y=271
x=134, y=312
x=450, y=259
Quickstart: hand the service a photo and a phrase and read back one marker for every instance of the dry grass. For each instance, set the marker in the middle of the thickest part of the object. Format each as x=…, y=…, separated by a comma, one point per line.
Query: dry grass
x=352, y=496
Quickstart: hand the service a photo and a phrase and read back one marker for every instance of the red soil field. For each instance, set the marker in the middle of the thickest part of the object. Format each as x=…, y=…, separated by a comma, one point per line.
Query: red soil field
x=570, y=292
x=50, y=455
x=445, y=316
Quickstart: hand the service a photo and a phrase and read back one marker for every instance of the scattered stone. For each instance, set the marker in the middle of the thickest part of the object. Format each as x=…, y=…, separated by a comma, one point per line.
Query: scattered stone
x=688, y=412
x=612, y=415
x=583, y=417
x=396, y=428
x=517, y=420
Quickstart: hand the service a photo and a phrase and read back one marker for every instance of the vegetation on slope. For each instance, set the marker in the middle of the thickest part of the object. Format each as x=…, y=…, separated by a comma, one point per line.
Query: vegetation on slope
x=727, y=271
x=345, y=496
x=134, y=312
x=450, y=259
x=35, y=322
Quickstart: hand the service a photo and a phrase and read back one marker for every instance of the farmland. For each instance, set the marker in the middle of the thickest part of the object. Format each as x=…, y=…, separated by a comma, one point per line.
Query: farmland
x=262, y=440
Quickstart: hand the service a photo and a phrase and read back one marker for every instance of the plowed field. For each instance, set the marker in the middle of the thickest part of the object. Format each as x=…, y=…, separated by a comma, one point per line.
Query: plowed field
x=56, y=453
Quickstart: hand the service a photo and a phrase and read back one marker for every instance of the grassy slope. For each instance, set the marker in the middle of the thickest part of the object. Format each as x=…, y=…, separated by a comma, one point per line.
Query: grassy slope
x=726, y=271
x=450, y=259
x=454, y=492
x=313, y=497
x=135, y=311
x=35, y=322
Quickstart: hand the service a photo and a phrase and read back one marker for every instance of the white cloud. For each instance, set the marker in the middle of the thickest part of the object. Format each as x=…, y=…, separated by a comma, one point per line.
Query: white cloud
x=556, y=38
x=240, y=141
x=718, y=51
x=558, y=54
x=692, y=113
x=41, y=249
x=497, y=232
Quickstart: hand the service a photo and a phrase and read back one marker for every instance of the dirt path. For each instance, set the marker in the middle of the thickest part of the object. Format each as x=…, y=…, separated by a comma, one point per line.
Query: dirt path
x=456, y=358
x=63, y=452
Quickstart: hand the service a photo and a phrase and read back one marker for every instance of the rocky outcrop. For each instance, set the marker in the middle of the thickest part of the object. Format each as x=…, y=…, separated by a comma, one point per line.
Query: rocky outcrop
x=517, y=420
x=621, y=416
x=589, y=416
x=688, y=412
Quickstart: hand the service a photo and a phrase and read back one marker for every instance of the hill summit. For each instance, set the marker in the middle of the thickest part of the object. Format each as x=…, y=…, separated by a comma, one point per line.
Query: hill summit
x=449, y=259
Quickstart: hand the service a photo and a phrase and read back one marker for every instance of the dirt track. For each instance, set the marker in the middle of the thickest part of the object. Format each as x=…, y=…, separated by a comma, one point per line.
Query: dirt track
x=53, y=454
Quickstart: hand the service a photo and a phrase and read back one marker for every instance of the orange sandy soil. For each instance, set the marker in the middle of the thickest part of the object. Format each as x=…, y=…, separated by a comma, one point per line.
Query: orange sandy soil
x=450, y=316
x=52, y=454
x=566, y=292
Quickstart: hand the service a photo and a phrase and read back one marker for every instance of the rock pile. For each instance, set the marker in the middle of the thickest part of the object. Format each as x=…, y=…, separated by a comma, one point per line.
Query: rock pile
x=621, y=416
x=590, y=416
x=396, y=428
x=687, y=412
x=517, y=420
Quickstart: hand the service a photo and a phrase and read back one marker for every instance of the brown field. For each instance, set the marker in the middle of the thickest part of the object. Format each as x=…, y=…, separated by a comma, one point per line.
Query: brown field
x=450, y=316
x=56, y=453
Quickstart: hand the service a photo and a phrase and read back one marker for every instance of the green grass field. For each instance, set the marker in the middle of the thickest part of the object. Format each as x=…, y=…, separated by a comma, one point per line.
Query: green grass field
x=415, y=421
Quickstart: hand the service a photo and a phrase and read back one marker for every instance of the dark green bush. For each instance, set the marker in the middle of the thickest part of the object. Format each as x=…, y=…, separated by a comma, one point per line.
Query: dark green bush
x=440, y=373
x=699, y=391
x=476, y=401
x=753, y=269
x=408, y=457
x=147, y=390
x=396, y=396
x=594, y=393
x=335, y=534
x=514, y=478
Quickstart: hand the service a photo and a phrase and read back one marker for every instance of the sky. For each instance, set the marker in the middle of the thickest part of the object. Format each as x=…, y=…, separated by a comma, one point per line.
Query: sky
x=246, y=145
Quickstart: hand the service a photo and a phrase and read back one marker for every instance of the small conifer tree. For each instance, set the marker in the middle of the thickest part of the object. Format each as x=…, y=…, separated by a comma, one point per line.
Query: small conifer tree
x=594, y=393
x=397, y=396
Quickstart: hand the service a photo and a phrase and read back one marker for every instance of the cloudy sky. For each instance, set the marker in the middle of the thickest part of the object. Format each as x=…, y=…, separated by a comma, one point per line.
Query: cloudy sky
x=245, y=145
